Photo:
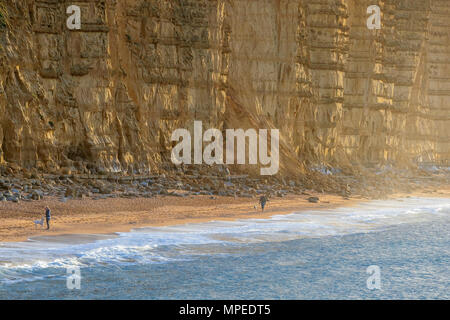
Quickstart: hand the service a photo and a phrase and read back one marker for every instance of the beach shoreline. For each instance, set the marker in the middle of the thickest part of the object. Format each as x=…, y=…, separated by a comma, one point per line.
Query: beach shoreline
x=109, y=216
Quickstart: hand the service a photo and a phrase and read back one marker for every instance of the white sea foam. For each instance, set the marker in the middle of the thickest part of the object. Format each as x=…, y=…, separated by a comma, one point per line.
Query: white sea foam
x=26, y=260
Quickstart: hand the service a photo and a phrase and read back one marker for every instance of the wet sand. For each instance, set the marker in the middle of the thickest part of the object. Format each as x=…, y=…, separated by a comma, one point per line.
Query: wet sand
x=107, y=216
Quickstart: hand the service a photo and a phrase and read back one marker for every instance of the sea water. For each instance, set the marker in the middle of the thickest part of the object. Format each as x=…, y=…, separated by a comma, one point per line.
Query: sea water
x=308, y=255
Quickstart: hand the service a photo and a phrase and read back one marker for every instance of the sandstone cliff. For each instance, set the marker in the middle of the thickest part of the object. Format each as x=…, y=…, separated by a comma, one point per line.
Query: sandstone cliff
x=107, y=98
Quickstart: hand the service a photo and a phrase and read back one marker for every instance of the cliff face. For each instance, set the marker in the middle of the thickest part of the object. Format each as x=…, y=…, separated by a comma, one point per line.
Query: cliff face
x=107, y=97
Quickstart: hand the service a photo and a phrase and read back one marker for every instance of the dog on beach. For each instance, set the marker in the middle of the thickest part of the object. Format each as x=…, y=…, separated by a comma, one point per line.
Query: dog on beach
x=41, y=222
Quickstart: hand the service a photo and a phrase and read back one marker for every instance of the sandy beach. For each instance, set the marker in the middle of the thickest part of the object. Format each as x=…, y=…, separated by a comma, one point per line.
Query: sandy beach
x=105, y=216
x=121, y=215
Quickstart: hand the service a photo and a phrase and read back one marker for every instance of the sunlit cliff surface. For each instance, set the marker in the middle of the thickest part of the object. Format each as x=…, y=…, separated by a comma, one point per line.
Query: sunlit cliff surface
x=107, y=98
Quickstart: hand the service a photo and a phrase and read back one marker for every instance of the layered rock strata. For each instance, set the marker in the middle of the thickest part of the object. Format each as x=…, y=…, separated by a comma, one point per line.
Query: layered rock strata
x=106, y=98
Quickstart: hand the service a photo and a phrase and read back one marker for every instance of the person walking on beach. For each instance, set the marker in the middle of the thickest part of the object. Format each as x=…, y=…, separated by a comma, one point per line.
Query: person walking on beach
x=262, y=201
x=47, y=217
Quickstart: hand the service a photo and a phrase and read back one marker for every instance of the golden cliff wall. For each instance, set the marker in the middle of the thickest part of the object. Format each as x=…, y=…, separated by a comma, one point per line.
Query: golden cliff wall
x=108, y=97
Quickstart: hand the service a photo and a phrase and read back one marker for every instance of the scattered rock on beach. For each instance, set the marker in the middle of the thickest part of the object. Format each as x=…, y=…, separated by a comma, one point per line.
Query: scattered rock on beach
x=313, y=199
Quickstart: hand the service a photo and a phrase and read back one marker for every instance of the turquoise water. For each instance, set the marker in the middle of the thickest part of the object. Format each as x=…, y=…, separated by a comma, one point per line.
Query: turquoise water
x=311, y=255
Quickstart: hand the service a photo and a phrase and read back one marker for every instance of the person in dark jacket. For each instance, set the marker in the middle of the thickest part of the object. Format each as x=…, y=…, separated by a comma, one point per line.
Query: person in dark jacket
x=48, y=217
x=262, y=201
